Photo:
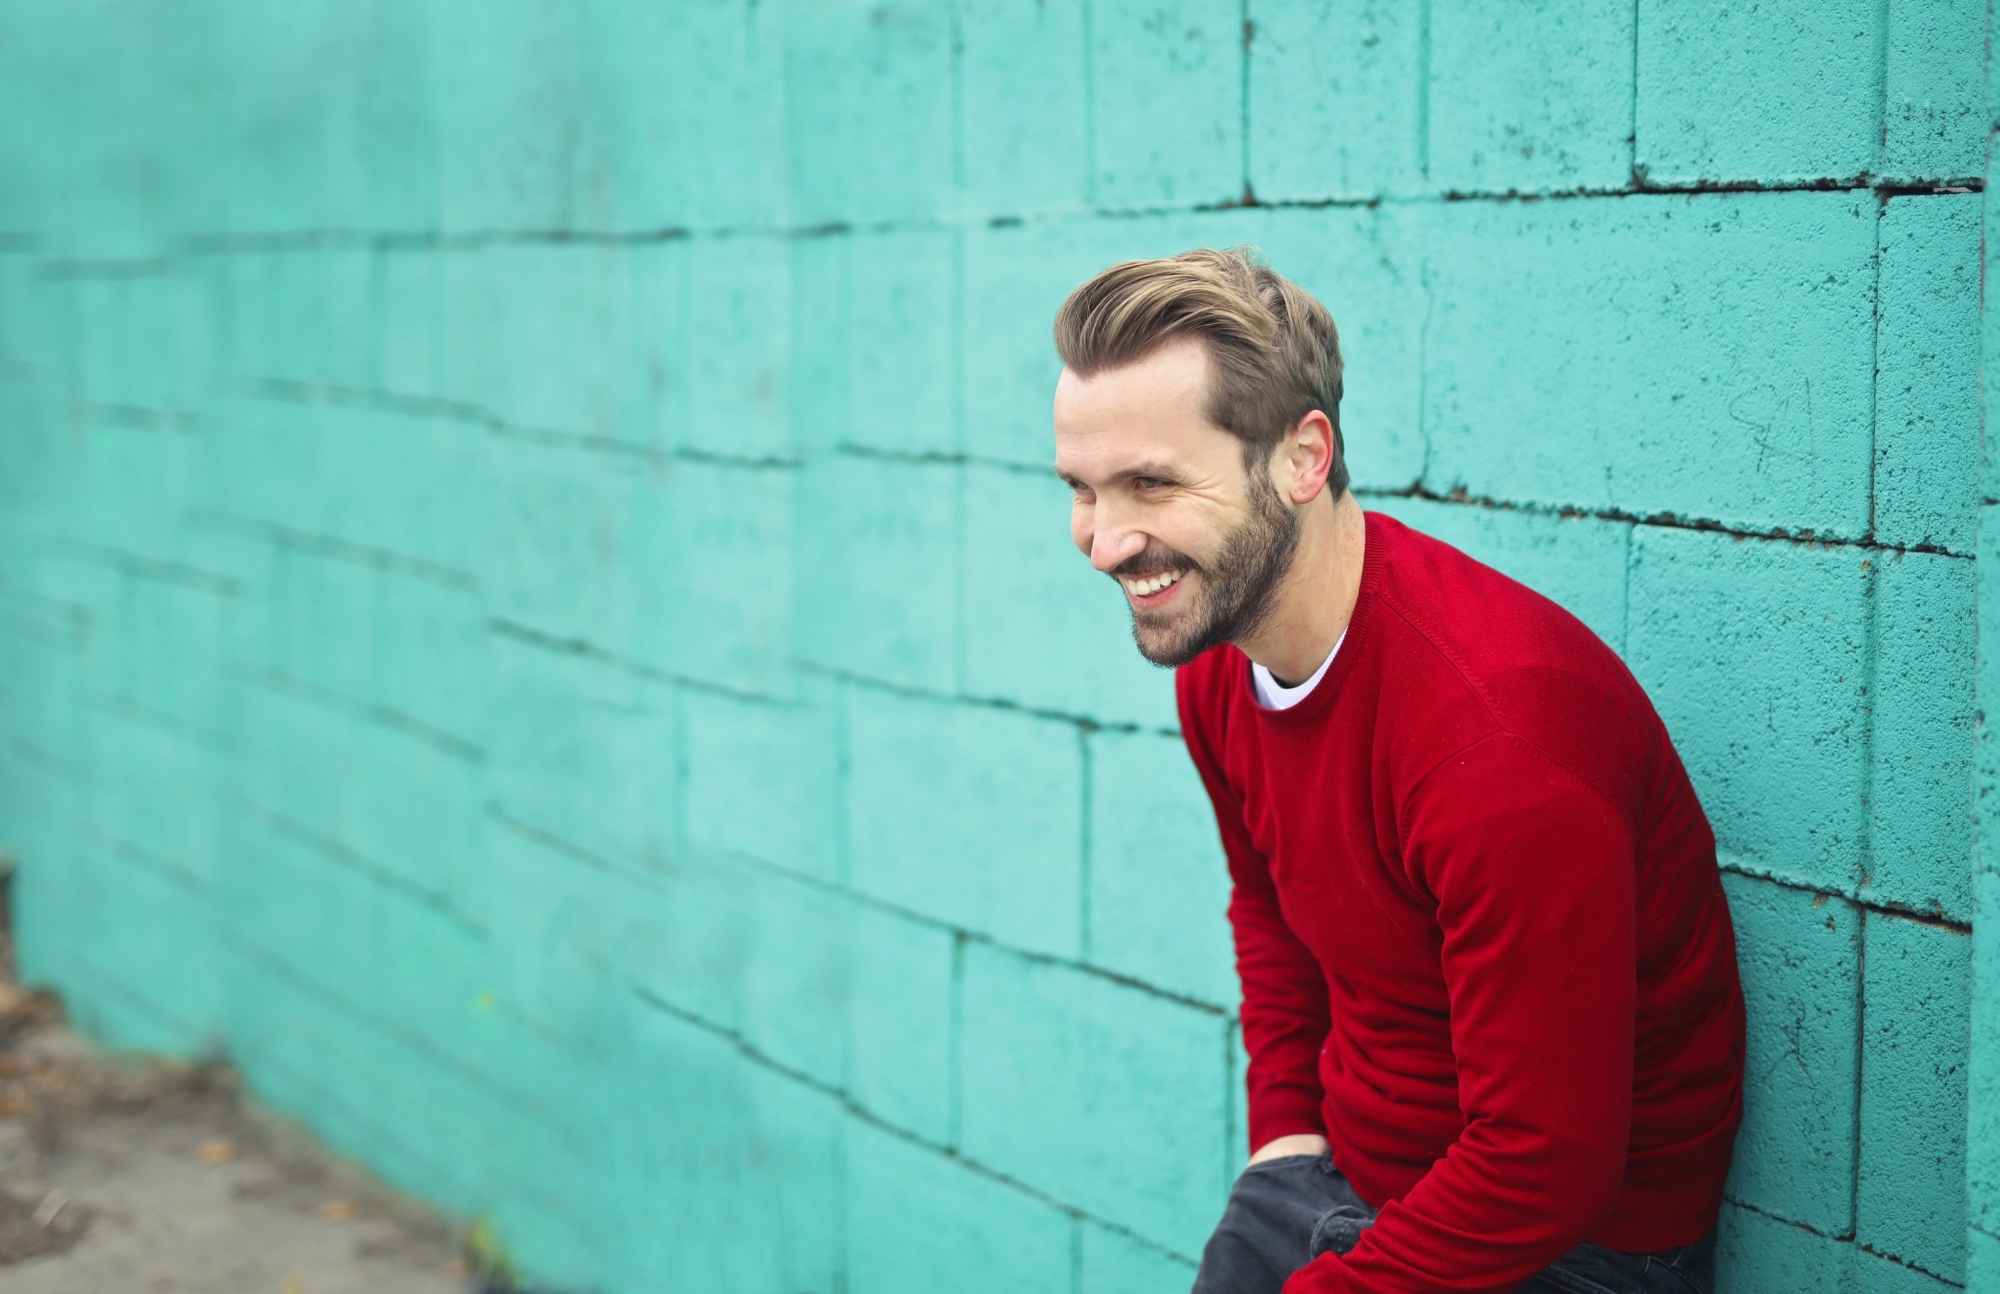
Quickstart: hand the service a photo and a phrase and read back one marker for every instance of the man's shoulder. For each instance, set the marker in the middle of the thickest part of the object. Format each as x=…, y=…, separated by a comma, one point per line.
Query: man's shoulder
x=1483, y=652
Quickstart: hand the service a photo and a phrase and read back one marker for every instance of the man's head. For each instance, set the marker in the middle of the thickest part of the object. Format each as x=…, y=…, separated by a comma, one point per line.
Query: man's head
x=1196, y=417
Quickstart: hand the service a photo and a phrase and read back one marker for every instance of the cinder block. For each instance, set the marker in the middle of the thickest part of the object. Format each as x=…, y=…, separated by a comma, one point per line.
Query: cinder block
x=1915, y=1043
x=1166, y=80
x=507, y=113
x=1114, y=1263
x=1923, y=716
x=566, y=359
x=1755, y=654
x=822, y=342
x=1365, y=267
x=409, y=321
x=1024, y=77
x=1983, y=1265
x=476, y=302
x=1578, y=561
x=1016, y=279
x=634, y=133
x=737, y=365
x=1982, y=1134
x=420, y=812
x=726, y=1140
x=1755, y=1254
x=581, y=749
x=1332, y=114
x=763, y=779
x=967, y=815
x=691, y=946
x=796, y=981
x=559, y=533
x=322, y=317
x=1158, y=883
x=900, y=1031
x=1927, y=381
x=902, y=328
x=869, y=111
x=738, y=590
x=879, y=582
x=1729, y=380
x=1529, y=98
x=1106, y=1097
x=324, y=611
x=1771, y=122
x=1075, y=653
x=431, y=648
x=555, y=925
x=1799, y=955
x=729, y=59
x=1932, y=126
x=917, y=1220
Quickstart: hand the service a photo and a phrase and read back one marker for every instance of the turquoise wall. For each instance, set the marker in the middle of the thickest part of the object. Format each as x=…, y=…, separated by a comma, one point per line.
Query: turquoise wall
x=534, y=613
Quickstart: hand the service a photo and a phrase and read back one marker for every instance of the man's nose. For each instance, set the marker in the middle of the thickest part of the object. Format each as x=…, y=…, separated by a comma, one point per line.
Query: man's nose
x=1111, y=547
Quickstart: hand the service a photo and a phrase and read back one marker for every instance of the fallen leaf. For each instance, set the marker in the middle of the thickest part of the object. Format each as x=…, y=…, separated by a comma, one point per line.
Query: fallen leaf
x=216, y=1152
x=336, y=1210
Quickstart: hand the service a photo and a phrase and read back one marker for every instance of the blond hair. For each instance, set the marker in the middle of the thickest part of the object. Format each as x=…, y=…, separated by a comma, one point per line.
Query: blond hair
x=1275, y=353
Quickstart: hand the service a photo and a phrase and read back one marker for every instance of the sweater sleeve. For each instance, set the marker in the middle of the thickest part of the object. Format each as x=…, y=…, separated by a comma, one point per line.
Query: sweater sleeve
x=1284, y=1011
x=1533, y=874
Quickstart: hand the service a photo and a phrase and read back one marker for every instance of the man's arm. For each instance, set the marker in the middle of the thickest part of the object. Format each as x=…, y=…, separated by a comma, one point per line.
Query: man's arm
x=1284, y=992
x=1533, y=874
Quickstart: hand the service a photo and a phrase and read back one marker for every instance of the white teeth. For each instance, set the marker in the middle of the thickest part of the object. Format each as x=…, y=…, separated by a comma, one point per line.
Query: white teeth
x=1142, y=588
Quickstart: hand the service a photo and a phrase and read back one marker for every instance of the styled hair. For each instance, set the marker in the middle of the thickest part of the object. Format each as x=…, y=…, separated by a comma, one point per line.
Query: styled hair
x=1272, y=347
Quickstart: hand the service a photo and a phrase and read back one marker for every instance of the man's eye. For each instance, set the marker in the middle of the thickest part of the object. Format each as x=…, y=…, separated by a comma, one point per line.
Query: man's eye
x=1148, y=482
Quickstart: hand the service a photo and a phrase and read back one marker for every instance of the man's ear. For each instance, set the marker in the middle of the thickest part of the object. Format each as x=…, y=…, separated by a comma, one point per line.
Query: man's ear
x=1307, y=456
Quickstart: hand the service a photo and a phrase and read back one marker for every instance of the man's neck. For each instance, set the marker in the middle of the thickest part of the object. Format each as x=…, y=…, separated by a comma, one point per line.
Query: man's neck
x=1317, y=596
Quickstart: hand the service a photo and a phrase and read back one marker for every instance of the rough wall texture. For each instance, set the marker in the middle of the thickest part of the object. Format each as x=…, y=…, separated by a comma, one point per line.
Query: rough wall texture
x=534, y=612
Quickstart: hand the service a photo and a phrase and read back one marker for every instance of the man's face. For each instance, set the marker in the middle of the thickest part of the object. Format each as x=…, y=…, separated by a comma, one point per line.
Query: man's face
x=1161, y=493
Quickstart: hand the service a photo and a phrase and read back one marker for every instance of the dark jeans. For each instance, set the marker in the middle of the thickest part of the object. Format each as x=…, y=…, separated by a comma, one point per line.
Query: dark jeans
x=1285, y=1212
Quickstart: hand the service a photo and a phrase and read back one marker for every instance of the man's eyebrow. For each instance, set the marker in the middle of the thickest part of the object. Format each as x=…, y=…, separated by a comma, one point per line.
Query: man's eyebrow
x=1162, y=471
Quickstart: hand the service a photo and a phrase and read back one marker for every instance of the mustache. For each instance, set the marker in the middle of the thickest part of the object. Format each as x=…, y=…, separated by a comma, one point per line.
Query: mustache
x=1150, y=563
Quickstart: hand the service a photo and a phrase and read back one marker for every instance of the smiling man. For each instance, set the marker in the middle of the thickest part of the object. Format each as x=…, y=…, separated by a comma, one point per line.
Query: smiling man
x=1490, y=996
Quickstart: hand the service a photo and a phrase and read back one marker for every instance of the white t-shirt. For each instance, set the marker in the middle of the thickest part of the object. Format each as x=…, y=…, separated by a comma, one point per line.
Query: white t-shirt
x=1273, y=695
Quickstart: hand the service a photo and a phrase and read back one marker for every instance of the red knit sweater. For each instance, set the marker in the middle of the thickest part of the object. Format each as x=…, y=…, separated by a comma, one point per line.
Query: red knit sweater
x=1480, y=930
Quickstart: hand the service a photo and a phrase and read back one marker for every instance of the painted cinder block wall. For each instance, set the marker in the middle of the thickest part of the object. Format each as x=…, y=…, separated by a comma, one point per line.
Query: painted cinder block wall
x=534, y=614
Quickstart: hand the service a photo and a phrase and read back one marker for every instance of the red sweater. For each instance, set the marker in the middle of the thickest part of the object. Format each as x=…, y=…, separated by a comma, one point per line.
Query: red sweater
x=1480, y=930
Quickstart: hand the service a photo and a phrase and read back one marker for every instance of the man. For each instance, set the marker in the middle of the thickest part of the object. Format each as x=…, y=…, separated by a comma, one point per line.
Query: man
x=1490, y=997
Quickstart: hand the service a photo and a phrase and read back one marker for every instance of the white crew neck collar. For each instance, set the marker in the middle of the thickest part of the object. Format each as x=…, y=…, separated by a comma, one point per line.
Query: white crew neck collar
x=1273, y=695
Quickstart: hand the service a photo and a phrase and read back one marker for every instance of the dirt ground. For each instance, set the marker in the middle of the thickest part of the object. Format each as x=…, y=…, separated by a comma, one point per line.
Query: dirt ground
x=142, y=1176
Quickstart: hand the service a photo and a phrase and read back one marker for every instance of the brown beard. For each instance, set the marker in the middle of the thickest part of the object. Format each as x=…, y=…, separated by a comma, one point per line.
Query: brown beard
x=1238, y=589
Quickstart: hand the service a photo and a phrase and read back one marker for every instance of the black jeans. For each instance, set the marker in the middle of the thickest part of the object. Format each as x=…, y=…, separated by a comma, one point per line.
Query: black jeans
x=1285, y=1212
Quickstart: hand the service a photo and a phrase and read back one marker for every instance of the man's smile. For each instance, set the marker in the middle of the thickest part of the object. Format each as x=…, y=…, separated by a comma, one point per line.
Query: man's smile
x=1154, y=590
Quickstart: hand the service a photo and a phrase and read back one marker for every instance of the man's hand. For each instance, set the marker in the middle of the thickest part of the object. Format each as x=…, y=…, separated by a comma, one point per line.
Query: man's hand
x=1297, y=1143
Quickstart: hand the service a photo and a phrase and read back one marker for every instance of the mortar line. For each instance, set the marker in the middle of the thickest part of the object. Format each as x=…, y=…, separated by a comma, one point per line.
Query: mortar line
x=1659, y=520
x=1881, y=87
x=1424, y=89
x=955, y=1058
x=970, y=936
x=1632, y=124
x=913, y=692
x=1089, y=24
x=1084, y=863
x=1880, y=907
x=1811, y=1230
x=1875, y=367
x=369, y=239
x=1249, y=30
x=1860, y=1075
